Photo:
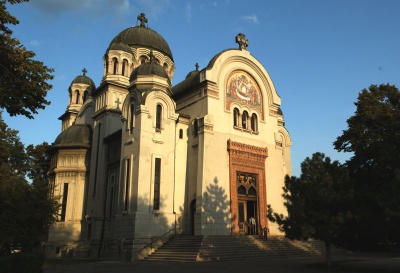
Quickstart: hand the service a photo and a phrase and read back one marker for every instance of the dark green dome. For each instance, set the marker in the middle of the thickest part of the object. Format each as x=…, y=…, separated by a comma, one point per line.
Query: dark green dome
x=120, y=45
x=142, y=36
x=76, y=136
x=149, y=68
x=85, y=80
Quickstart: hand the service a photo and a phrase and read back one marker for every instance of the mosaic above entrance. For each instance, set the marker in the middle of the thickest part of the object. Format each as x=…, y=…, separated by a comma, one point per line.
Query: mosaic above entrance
x=243, y=89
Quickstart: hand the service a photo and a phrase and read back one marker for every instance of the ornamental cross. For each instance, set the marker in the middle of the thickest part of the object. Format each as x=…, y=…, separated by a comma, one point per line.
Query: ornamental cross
x=84, y=71
x=197, y=66
x=242, y=41
x=118, y=103
x=142, y=18
x=151, y=56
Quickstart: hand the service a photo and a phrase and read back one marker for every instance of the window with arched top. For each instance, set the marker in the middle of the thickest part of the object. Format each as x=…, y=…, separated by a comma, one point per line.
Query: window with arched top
x=245, y=117
x=158, y=117
x=76, y=96
x=254, y=123
x=252, y=191
x=180, y=133
x=124, y=67
x=236, y=115
x=115, y=67
x=85, y=95
x=241, y=190
x=131, y=119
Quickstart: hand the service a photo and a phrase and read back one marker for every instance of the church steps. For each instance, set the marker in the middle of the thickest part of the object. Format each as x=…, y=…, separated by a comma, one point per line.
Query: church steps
x=217, y=248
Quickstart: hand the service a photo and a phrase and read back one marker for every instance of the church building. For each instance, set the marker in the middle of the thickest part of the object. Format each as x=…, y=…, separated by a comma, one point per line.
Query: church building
x=139, y=157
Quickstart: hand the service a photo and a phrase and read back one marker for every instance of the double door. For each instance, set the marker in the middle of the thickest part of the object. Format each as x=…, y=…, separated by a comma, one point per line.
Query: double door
x=247, y=208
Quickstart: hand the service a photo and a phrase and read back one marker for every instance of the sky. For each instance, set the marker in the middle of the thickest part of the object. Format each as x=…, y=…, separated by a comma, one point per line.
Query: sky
x=319, y=53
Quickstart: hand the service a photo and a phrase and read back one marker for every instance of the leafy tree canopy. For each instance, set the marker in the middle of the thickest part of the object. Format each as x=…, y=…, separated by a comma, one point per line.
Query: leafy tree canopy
x=23, y=80
x=25, y=209
x=373, y=135
x=317, y=203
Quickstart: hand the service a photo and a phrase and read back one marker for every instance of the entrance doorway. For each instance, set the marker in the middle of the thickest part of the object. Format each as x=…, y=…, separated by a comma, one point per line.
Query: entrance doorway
x=247, y=208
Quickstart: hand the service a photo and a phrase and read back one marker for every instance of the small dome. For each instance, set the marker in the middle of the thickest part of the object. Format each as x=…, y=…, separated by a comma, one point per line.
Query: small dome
x=84, y=79
x=120, y=45
x=78, y=135
x=149, y=68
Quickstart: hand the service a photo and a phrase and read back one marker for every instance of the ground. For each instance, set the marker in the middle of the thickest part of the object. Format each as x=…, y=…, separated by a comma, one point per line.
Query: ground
x=371, y=262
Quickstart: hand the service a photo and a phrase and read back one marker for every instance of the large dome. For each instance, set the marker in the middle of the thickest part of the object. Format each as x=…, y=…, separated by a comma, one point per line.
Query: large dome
x=142, y=36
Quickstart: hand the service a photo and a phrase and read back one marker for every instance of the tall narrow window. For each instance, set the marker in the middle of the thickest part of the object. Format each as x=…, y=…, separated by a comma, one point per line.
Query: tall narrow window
x=131, y=118
x=254, y=123
x=127, y=180
x=123, y=67
x=64, y=203
x=110, y=210
x=85, y=96
x=158, y=117
x=76, y=96
x=236, y=117
x=115, y=68
x=180, y=133
x=245, y=116
x=157, y=180
x=195, y=128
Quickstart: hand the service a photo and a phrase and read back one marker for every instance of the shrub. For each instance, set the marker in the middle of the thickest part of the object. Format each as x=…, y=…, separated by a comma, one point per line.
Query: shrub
x=26, y=262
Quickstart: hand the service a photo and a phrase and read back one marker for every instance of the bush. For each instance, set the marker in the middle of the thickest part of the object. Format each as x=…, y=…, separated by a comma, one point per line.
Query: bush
x=25, y=262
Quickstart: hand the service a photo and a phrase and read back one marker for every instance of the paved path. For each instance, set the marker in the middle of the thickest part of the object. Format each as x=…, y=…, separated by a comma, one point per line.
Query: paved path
x=351, y=263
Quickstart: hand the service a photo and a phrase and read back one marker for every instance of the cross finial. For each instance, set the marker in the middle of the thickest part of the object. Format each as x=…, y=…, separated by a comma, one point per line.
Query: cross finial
x=242, y=41
x=151, y=56
x=142, y=18
x=197, y=66
x=84, y=71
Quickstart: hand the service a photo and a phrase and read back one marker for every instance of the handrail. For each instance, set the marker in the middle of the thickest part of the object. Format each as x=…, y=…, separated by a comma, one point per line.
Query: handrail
x=158, y=238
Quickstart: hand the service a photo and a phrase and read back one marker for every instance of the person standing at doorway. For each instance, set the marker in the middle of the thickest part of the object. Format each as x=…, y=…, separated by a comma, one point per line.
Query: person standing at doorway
x=252, y=225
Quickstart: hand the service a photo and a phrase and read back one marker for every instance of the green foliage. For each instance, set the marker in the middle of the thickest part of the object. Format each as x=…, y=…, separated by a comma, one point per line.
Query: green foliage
x=373, y=136
x=25, y=209
x=23, y=80
x=22, y=262
x=317, y=203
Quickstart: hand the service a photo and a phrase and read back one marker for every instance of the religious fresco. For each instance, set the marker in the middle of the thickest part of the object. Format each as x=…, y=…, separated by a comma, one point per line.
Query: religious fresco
x=243, y=89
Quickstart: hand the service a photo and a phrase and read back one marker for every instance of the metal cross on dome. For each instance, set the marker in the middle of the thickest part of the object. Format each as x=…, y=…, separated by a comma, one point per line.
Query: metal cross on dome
x=84, y=71
x=142, y=18
x=242, y=41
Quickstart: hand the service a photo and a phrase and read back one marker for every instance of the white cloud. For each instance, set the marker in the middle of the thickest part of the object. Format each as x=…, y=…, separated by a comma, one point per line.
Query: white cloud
x=253, y=18
x=188, y=12
x=34, y=43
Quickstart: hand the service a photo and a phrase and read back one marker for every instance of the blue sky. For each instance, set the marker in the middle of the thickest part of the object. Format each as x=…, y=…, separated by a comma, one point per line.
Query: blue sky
x=319, y=53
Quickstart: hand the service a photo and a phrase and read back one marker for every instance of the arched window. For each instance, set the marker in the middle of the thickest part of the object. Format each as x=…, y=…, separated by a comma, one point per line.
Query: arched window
x=158, y=117
x=245, y=117
x=254, y=123
x=180, y=133
x=85, y=96
x=252, y=191
x=236, y=116
x=131, y=119
x=124, y=67
x=241, y=190
x=76, y=96
x=115, y=69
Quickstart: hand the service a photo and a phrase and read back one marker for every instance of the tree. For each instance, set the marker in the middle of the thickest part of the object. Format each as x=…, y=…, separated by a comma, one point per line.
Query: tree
x=23, y=80
x=317, y=203
x=373, y=136
x=25, y=209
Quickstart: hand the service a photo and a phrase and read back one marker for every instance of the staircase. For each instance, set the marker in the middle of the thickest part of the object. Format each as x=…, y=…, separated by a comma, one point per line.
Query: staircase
x=225, y=248
x=178, y=249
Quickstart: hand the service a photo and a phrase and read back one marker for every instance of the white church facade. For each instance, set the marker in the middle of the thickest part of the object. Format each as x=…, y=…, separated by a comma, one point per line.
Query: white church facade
x=139, y=157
